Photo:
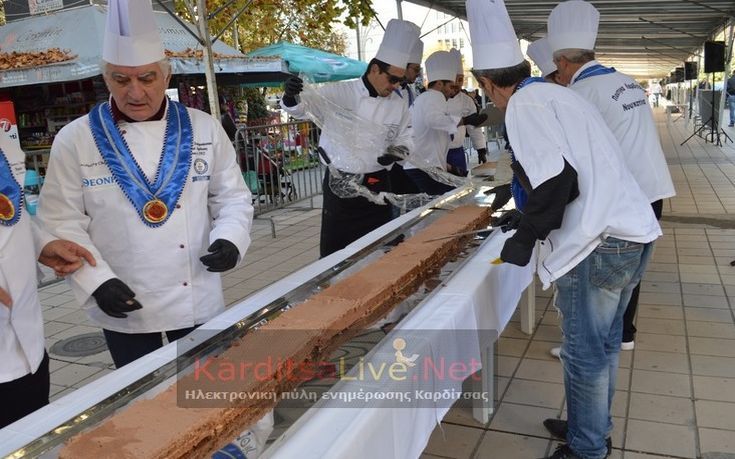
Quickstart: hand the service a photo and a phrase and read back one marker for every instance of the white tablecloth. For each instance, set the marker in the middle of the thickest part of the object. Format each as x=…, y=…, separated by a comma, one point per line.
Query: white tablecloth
x=482, y=295
x=479, y=296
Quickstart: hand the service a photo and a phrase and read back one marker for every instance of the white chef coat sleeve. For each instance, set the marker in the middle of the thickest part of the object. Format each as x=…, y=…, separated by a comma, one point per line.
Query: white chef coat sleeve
x=436, y=116
x=330, y=92
x=477, y=137
x=297, y=111
x=475, y=133
x=229, y=198
x=41, y=237
x=538, y=140
x=61, y=214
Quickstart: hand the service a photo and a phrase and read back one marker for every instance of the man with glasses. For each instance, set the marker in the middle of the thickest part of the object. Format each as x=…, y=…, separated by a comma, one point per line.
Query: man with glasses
x=407, y=90
x=400, y=182
x=372, y=97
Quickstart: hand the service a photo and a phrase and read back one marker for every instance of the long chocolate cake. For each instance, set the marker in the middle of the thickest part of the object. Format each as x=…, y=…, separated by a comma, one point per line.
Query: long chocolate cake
x=160, y=428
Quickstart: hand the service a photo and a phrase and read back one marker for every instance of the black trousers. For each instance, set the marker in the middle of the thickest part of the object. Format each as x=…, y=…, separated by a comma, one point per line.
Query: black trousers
x=345, y=220
x=427, y=184
x=629, y=317
x=21, y=397
x=126, y=347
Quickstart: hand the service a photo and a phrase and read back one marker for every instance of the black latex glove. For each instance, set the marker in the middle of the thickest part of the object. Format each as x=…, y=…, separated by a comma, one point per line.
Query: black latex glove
x=482, y=155
x=115, y=298
x=475, y=119
x=502, y=196
x=292, y=87
x=223, y=256
x=508, y=221
x=392, y=154
x=516, y=253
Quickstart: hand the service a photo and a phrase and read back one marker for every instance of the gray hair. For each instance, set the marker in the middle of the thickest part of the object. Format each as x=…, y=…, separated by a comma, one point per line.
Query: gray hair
x=164, y=64
x=574, y=55
x=505, y=77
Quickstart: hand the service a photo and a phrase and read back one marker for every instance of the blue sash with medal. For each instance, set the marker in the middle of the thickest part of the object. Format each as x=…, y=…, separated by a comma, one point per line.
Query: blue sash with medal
x=11, y=194
x=594, y=70
x=155, y=201
x=520, y=197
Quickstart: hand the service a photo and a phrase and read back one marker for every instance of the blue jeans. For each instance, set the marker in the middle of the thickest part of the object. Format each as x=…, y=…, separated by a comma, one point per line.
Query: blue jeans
x=592, y=299
x=731, y=104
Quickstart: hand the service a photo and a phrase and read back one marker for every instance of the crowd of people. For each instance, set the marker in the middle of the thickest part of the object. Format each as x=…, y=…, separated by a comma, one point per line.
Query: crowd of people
x=144, y=204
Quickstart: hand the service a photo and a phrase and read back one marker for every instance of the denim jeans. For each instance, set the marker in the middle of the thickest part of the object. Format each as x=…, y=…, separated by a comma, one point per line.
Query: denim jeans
x=731, y=104
x=592, y=299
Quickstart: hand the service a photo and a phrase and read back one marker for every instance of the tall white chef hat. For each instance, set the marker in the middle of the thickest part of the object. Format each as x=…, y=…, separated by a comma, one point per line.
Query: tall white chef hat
x=494, y=42
x=540, y=52
x=573, y=24
x=417, y=50
x=398, y=40
x=457, y=60
x=131, y=34
x=441, y=65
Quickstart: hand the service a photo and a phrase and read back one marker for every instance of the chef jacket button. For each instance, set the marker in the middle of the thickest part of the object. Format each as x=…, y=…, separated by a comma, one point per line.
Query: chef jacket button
x=178, y=206
x=181, y=246
x=185, y=284
x=123, y=132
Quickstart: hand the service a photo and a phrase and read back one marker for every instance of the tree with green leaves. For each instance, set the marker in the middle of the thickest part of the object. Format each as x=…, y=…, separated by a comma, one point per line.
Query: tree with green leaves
x=264, y=22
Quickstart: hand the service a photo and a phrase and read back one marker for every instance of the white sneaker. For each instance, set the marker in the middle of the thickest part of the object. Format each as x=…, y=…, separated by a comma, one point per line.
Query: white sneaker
x=555, y=351
x=627, y=345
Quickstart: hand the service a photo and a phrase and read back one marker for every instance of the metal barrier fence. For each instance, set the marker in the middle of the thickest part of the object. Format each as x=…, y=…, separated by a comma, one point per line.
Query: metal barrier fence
x=280, y=163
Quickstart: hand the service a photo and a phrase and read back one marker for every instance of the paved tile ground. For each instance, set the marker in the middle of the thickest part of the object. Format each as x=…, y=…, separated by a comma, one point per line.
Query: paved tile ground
x=676, y=390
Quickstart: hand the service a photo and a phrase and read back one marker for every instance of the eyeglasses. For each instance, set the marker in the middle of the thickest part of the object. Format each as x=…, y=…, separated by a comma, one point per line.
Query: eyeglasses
x=392, y=79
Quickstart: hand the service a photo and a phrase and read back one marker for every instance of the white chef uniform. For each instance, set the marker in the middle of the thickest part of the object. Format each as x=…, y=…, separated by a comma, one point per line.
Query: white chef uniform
x=624, y=106
x=620, y=99
x=460, y=106
x=353, y=96
x=21, y=326
x=80, y=201
x=610, y=203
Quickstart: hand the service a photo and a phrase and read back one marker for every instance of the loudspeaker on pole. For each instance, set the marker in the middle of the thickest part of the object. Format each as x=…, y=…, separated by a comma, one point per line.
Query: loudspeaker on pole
x=679, y=74
x=690, y=70
x=714, y=56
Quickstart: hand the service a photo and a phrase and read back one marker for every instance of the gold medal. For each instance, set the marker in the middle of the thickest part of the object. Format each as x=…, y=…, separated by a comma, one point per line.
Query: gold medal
x=7, y=209
x=155, y=211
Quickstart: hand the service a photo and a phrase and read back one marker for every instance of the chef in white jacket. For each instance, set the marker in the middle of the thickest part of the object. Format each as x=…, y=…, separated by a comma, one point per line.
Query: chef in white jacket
x=413, y=69
x=372, y=97
x=24, y=373
x=461, y=104
x=400, y=182
x=540, y=53
x=593, y=221
x=433, y=124
x=153, y=190
x=572, y=32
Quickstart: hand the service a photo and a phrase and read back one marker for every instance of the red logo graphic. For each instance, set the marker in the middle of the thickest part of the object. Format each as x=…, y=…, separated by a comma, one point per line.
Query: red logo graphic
x=5, y=124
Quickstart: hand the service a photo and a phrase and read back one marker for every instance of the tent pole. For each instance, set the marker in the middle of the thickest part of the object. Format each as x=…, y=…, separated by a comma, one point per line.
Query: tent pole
x=208, y=64
x=359, y=47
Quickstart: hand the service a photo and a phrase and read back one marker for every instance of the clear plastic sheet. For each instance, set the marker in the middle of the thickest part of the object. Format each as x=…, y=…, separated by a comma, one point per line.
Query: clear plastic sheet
x=362, y=138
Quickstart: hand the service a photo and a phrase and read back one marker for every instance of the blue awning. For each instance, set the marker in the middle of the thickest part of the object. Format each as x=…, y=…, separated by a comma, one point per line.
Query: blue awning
x=320, y=65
